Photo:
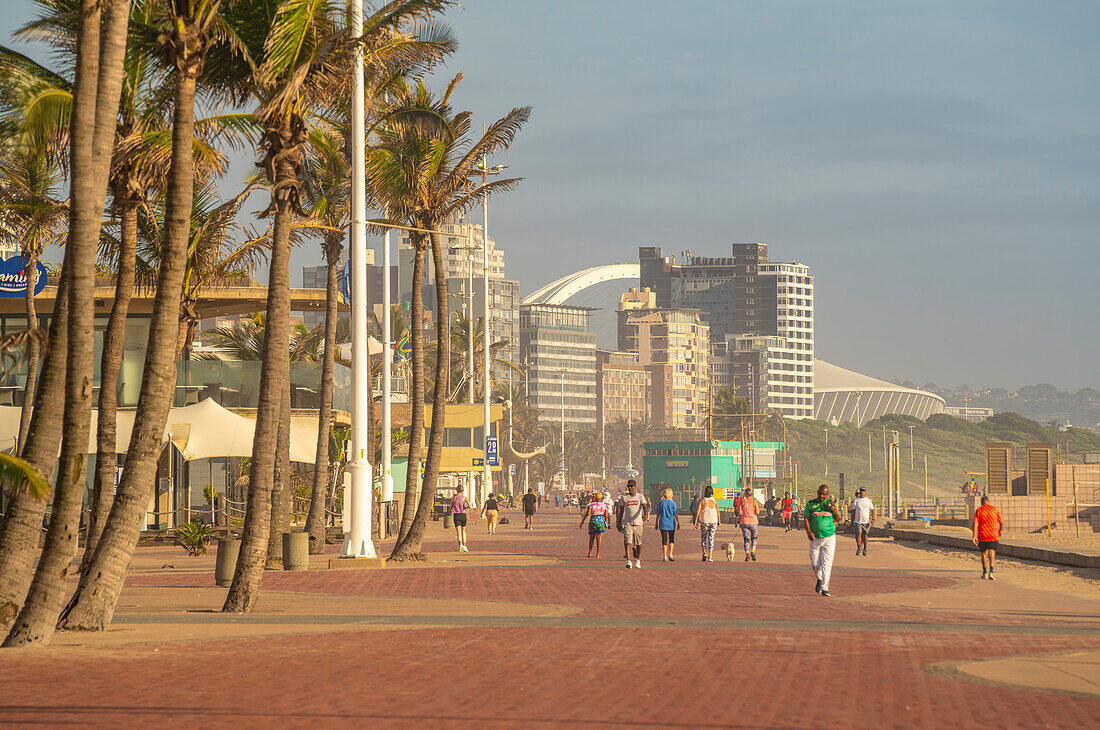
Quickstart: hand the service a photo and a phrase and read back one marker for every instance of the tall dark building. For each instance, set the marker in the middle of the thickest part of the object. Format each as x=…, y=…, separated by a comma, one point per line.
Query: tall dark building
x=760, y=314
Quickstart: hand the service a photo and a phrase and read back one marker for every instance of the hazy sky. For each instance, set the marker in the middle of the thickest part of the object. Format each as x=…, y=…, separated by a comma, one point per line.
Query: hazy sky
x=937, y=164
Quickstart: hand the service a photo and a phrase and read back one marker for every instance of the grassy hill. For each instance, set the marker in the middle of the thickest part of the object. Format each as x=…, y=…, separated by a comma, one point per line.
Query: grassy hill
x=953, y=447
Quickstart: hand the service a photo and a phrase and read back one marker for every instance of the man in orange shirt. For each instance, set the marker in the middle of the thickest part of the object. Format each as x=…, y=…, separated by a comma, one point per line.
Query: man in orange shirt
x=987, y=532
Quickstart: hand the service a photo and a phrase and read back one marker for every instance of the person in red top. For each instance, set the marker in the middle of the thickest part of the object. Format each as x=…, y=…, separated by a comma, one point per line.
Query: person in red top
x=787, y=507
x=987, y=532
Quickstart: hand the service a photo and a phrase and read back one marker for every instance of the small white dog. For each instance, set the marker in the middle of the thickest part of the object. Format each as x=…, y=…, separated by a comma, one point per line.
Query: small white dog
x=731, y=551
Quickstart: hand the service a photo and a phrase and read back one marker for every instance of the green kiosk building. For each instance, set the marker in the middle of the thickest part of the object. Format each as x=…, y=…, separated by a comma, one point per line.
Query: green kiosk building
x=687, y=467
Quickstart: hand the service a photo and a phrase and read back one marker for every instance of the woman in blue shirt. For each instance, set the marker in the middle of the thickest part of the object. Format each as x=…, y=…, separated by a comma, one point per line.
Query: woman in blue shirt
x=668, y=521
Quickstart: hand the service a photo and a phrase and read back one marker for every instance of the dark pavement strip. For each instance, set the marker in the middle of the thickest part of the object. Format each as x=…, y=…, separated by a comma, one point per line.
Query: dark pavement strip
x=602, y=622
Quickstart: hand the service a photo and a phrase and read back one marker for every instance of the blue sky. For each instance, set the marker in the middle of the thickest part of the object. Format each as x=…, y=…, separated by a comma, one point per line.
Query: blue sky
x=937, y=164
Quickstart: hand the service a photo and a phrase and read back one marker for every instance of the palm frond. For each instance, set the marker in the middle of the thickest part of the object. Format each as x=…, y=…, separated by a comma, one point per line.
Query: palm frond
x=20, y=473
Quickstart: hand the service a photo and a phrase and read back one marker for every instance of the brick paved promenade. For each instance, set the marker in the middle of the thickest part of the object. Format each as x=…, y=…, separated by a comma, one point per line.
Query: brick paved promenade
x=526, y=632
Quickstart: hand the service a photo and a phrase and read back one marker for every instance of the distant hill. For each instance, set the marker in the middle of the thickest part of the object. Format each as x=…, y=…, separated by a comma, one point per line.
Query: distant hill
x=1043, y=403
x=953, y=447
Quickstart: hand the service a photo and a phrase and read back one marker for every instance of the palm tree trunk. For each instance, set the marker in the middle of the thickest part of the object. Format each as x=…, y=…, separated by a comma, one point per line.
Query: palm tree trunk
x=95, y=109
x=315, y=522
x=282, y=145
x=31, y=267
x=93, y=605
x=22, y=529
x=281, y=489
x=414, y=538
x=416, y=393
x=113, y=339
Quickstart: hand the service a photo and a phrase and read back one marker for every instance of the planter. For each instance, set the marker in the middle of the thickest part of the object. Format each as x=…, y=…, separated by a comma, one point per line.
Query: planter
x=226, y=561
x=295, y=551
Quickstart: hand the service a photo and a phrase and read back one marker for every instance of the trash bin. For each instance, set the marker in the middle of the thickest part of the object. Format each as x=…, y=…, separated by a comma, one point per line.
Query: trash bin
x=448, y=521
x=226, y=561
x=295, y=551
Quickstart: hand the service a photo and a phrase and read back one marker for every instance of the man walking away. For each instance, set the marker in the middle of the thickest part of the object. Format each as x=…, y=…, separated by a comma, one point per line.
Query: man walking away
x=863, y=516
x=630, y=516
x=530, y=504
x=820, y=520
x=695, y=507
x=987, y=534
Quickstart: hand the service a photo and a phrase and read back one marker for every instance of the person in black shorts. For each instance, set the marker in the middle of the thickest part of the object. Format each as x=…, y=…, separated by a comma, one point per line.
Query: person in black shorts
x=530, y=505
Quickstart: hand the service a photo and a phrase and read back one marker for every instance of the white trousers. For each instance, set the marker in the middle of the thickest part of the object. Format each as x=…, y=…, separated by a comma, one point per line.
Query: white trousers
x=821, y=558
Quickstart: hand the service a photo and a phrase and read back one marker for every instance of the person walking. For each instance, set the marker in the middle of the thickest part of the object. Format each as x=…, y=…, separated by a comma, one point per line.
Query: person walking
x=820, y=520
x=596, y=514
x=630, y=517
x=706, y=521
x=490, y=512
x=695, y=507
x=530, y=506
x=668, y=521
x=557, y=501
x=786, y=507
x=987, y=534
x=459, y=507
x=863, y=516
x=608, y=502
x=750, y=523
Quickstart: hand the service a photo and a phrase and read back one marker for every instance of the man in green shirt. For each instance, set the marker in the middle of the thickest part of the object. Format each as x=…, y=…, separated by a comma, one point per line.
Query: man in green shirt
x=820, y=518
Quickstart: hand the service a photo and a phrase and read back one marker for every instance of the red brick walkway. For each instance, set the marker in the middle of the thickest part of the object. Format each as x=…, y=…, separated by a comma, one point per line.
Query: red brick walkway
x=810, y=662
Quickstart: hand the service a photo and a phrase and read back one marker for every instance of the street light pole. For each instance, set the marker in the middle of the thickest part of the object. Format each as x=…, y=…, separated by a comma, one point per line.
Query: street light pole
x=563, y=479
x=357, y=506
x=485, y=171
x=387, y=366
x=911, y=467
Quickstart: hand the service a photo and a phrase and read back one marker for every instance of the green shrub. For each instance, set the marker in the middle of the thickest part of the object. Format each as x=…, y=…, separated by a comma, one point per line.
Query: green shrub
x=192, y=537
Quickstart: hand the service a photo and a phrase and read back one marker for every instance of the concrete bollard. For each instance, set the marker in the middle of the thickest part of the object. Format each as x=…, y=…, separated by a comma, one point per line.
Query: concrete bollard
x=295, y=551
x=226, y=561
x=448, y=521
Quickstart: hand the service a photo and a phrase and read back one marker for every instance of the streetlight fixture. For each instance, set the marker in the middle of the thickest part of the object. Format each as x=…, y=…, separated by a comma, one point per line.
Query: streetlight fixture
x=484, y=171
x=357, y=511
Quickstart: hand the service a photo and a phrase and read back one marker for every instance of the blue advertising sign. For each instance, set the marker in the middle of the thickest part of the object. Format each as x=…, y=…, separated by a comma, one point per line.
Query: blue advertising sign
x=13, y=277
x=478, y=462
x=491, y=451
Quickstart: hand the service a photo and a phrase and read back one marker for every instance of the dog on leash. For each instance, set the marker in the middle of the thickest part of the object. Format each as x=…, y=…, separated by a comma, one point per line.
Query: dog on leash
x=731, y=551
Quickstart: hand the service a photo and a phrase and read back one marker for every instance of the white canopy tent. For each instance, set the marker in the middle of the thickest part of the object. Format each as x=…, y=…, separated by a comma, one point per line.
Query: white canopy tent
x=200, y=431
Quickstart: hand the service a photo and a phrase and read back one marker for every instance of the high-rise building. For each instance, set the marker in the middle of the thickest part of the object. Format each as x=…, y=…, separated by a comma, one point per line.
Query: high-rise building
x=623, y=384
x=746, y=295
x=559, y=348
x=674, y=344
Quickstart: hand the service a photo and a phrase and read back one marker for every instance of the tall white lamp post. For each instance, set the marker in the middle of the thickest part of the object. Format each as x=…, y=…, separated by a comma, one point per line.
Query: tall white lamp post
x=357, y=499
x=486, y=331
x=387, y=366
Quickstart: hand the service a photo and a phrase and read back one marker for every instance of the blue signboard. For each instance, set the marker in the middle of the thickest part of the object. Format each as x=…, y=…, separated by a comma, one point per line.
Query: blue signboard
x=479, y=462
x=491, y=451
x=13, y=277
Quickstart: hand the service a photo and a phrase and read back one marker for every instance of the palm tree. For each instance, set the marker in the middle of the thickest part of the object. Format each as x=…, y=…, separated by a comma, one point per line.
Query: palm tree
x=185, y=31
x=34, y=218
x=101, y=46
x=726, y=418
x=304, y=70
x=460, y=350
x=420, y=174
x=330, y=204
